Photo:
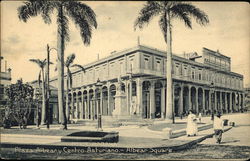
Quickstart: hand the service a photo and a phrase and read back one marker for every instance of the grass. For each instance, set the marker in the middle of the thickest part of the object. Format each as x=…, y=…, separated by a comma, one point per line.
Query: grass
x=32, y=131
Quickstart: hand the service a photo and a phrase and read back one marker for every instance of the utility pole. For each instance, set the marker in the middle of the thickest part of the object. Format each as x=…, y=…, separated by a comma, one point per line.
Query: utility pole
x=48, y=90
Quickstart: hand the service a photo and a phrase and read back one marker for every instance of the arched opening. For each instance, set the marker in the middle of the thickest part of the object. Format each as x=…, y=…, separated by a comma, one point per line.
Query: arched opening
x=79, y=105
x=233, y=102
x=85, y=105
x=146, y=99
x=177, y=93
x=158, y=87
x=193, y=99
x=91, y=104
x=105, y=101
x=97, y=107
x=73, y=107
x=185, y=101
x=200, y=101
x=112, y=91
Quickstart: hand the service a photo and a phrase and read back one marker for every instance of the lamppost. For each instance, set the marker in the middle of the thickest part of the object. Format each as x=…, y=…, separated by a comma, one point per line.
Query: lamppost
x=98, y=84
x=37, y=97
x=212, y=92
x=48, y=90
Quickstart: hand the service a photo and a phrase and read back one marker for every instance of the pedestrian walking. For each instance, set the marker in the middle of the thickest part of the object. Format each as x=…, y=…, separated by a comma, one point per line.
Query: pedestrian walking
x=191, y=124
x=200, y=115
x=218, y=128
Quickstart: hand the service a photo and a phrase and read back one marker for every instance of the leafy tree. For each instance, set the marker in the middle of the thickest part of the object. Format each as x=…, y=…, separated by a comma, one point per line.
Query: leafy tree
x=81, y=14
x=20, y=102
x=167, y=11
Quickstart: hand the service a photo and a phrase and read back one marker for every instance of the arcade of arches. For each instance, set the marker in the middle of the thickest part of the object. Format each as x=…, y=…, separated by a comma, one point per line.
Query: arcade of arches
x=147, y=99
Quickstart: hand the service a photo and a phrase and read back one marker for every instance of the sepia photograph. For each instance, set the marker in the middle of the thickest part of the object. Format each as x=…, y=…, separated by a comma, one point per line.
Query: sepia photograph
x=124, y=80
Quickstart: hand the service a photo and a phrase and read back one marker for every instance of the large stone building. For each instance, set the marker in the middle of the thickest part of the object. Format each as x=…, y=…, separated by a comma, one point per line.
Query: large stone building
x=5, y=80
x=203, y=84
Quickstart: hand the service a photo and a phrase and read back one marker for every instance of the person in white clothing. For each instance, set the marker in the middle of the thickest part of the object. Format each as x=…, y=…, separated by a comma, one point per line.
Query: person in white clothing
x=191, y=124
x=218, y=128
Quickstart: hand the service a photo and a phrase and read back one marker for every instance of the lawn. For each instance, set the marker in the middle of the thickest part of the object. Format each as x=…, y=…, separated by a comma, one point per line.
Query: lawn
x=32, y=131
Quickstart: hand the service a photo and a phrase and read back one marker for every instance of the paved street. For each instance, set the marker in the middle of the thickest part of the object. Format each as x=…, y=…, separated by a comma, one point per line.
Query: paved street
x=235, y=144
x=238, y=135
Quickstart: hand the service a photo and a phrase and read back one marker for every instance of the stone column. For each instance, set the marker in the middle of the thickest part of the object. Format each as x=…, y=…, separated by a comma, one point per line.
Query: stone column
x=85, y=109
x=226, y=104
x=152, y=99
x=243, y=101
x=181, y=101
x=235, y=100
x=72, y=107
x=109, y=110
x=163, y=104
x=77, y=106
x=94, y=105
x=101, y=100
x=215, y=100
x=189, y=98
x=127, y=96
x=130, y=94
x=82, y=106
x=196, y=100
x=88, y=105
x=221, y=105
x=230, y=102
x=203, y=100
x=139, y=97
x=239, y=104
x=210, y=100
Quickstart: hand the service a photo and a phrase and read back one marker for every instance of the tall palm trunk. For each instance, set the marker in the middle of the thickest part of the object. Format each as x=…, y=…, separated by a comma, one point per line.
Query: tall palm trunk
x=67, y=96
x=44, y=100
x=169, y=97
x=60, y=48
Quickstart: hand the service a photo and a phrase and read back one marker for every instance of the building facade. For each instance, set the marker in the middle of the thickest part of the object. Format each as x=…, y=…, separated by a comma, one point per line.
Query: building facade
x=133, y=82
x=5, y=80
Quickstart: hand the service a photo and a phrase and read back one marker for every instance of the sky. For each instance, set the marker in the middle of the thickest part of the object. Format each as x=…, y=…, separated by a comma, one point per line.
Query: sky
x=228, y=32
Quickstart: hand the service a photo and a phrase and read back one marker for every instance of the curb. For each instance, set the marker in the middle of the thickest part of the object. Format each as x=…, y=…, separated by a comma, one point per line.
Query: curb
x=103, y=149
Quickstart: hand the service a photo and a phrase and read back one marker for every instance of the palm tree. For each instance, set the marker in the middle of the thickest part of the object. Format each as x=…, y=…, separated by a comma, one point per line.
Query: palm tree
x=42, y=64
x=81, y=14
x=69, y=63
x=169, y=10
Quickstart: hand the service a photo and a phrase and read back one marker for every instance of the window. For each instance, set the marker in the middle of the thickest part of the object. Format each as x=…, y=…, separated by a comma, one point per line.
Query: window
x=177, y=69
x=212, y=58
x=121, y=67
x=131, y=63
x=158, y=65
x=146, y=63
x=185, y=72
x=193, y=73
x=199, y=76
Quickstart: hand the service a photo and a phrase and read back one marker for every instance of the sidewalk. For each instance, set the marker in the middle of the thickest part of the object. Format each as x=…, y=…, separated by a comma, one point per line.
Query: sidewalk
x=131, y=139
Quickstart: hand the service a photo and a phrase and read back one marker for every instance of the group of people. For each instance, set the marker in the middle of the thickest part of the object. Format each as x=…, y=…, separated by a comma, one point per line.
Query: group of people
x=192, y=129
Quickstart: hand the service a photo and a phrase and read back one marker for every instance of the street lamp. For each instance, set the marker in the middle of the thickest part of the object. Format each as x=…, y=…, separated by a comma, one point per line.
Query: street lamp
x=213, y=92
x=98, y=84
x=48, y=90
x=37, y=94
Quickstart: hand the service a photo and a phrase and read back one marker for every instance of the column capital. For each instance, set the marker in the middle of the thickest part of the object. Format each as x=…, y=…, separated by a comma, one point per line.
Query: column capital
x=139, y=82
x=152, y=84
